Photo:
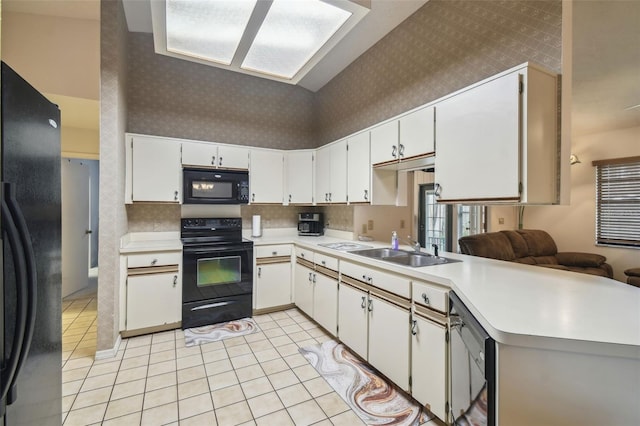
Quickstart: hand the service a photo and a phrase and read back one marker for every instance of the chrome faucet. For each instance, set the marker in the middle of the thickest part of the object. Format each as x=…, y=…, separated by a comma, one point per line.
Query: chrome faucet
x=413, y=243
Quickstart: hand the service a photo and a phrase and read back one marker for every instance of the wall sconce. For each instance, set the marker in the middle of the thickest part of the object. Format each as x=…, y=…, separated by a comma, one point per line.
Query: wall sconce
x=573, y=159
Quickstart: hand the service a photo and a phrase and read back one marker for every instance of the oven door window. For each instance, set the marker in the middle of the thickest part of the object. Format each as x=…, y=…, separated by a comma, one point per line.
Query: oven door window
x=219, y=270
x=211, y=190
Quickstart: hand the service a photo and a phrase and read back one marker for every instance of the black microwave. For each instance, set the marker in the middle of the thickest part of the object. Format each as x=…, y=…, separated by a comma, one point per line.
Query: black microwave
x=207, y=186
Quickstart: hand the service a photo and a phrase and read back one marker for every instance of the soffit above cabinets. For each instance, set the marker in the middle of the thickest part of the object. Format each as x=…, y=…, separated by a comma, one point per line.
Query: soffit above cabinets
x=367, y=21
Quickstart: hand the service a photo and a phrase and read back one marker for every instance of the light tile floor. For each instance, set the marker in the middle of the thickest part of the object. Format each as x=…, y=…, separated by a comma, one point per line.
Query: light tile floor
x=257, y=379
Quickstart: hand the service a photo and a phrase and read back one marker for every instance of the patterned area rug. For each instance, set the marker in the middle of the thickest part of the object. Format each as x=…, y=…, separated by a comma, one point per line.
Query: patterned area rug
x=224, y=330
x=372, y=398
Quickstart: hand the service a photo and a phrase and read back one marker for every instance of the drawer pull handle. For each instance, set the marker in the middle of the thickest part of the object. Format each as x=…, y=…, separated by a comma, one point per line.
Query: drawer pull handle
x=175, y=280
x=175, y=195
x=259, y=272
x=213, y=160
x=154, y=261
x=310, y=273
x=370, y=307
x=366, y=195
x=369, y=280
x=323, y=263
x=220, y=161
x=426, y=299
x=364, y=277
x=274, y=253
x=302, y=255
x=414, y=327
x=363, y=304
x=314, y=278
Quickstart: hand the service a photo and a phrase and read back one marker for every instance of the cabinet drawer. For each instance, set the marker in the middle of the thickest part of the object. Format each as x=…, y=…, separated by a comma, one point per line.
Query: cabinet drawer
x=326, y=261
x=395, y=284
x=304, y=254
x=273, y=251
x=431, y=296
x=153, y=259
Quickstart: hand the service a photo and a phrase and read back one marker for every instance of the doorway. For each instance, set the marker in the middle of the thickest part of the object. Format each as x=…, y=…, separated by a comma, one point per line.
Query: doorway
x=79, y=226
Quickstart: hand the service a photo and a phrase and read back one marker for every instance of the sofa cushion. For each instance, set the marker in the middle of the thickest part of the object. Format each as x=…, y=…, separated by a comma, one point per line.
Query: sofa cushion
x=580, y=259
x=527, y=260
x=518, y=244
x=539, y=242
x=547, y=260
x=494, y=245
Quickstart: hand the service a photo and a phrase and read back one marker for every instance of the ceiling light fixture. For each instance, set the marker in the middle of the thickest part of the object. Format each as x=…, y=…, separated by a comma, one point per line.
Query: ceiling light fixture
x=277, y=39
x=573, y=159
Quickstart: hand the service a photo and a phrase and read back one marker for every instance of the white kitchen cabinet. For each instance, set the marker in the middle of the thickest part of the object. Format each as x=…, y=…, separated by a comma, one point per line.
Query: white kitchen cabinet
x=303, y=286
x=272, y=286
x=331, y=173
x=299, y=171
x=359, y=169
x=325, y=302
x=389, y=328
x=497, y=140
x=153, y=300
x=353, y=318
x=202, y=154
x=429, y=364
x=266, y=176
x=153, y=170
x=384, y=143
x=416, y=138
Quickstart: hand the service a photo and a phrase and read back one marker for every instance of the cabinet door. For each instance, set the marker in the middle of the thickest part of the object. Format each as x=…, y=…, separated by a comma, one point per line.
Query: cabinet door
x=384, y=143
x=156, y=170
x=199, y=154
x=231, y=157
x=299, y=177
x=353, y=318
x=429, y=366
x=153, y=300
x=359, y=169
x=416, y=133
x=323, y=174
x=273, y=285
x=303, y=289
x=266, y=176
x=325, y=302
x=338, y=173
x=389, y=328
x=478, y=138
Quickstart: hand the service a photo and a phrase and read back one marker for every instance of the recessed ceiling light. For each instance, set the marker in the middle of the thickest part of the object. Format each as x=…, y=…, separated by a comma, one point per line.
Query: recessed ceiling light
x=291, y=33
x=207, y=29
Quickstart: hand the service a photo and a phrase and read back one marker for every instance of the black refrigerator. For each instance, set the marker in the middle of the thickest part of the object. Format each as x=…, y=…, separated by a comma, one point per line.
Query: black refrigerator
x=30, y=312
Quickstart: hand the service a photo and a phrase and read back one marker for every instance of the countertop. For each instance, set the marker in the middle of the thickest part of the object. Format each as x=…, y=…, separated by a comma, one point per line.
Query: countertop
x=522, y=305
x=140, y=242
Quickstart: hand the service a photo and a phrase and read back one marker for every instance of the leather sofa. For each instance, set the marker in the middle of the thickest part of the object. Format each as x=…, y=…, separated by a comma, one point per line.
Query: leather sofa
x=633, y=276
x=533, y=247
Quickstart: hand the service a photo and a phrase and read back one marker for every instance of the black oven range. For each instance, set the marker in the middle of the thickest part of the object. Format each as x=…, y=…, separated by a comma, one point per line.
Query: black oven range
x=217, y=277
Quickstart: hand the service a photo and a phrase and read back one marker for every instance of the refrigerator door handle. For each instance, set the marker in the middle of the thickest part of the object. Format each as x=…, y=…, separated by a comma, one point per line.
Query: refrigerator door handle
x=17, y=253
x=31, y=282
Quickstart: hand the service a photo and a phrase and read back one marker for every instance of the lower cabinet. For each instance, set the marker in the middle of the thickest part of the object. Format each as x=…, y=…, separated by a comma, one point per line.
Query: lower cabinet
x=325, y=301
x=272, y=287
x=303, y=286
x=153, y=299
x=353, y=318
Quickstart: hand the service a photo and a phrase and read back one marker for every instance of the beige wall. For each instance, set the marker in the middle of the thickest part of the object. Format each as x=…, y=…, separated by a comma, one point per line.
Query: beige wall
x=573, y=226
x=56, y=55
x=80, y=143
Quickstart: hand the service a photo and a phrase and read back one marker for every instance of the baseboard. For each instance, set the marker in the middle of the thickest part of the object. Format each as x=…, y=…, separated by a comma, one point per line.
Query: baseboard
x=109, y=353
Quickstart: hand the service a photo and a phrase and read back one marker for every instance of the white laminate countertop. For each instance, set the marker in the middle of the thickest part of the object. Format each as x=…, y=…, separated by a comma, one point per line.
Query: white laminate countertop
x=140, y=242
x=523, y=305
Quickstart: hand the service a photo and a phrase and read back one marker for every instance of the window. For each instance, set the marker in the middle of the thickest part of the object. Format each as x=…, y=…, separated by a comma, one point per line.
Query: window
x=618, y=202
x=471, y=220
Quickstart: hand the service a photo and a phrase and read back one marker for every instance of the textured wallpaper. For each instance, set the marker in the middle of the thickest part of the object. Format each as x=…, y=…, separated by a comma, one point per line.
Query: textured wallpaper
x=113, y=218
x=172, y=97
x=444, y=46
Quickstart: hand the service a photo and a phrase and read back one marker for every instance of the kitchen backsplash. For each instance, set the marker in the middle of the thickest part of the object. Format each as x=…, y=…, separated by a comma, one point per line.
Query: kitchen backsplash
x=153, y=217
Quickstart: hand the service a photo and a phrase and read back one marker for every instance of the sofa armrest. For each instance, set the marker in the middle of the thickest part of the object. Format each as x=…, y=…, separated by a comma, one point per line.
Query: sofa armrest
x=580, y=259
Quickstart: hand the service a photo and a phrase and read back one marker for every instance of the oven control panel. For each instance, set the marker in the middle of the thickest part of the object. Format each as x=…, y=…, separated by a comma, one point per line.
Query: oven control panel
x=232, y=223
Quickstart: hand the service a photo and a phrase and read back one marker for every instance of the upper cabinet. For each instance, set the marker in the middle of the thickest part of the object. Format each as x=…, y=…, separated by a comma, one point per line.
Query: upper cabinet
x=498, y=140
x=384, y=143
x=417, y=134
x=153, y=171
x=298, y=177
x=358, y=169
x=331, y=173
x=201, y=154
x=266, y=176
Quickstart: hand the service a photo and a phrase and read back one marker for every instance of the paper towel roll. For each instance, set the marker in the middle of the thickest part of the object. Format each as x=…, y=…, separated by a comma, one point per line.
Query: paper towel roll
x=256, y=227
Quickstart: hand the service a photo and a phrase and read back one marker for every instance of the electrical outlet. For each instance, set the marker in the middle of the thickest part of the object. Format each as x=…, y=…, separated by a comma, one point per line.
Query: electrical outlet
x=370, y=225
x=501, y=220
x=402, y=224
x=364, y=228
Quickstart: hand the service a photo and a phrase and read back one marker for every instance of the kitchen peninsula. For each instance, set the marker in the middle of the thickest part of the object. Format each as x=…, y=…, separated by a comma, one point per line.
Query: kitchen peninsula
x=568, y=344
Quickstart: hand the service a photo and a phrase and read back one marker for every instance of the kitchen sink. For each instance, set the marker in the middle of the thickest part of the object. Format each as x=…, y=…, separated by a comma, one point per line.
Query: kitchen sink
x=344, y=246
x=409, y=258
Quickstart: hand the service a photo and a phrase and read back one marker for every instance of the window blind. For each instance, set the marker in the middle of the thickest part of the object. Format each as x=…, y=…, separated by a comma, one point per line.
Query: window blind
x=618, y=202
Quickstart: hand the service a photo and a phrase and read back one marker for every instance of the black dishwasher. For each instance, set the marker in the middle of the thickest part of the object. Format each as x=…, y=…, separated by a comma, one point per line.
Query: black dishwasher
x=473, y=368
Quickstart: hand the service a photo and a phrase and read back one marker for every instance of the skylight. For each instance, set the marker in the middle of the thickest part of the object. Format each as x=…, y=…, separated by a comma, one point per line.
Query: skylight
x=291, y=33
